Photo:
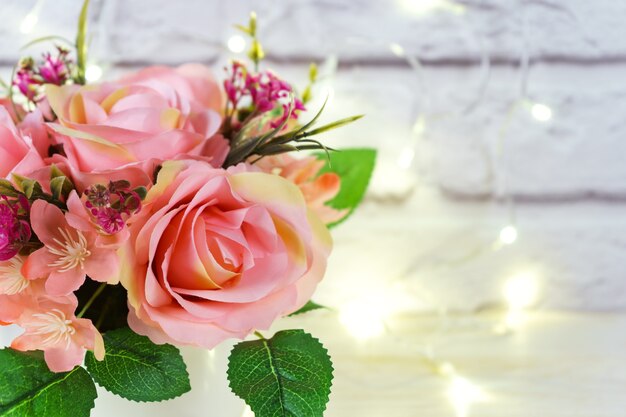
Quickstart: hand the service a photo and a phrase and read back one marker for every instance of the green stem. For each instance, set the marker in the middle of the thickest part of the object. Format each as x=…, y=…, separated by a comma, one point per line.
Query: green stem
x=92, y=299
x=259, y=335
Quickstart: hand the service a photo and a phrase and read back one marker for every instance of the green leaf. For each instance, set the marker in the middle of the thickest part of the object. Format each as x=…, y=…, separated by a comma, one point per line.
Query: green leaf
x=309, y=306
x=29, y=186
x=354, y=166
x=289, y=375
x=29, y=389
x=334, y=125
x=137, y=369
x=6, y=188
x=81, y=43
x=61, y=187
x=244, y=29
x=56, y=172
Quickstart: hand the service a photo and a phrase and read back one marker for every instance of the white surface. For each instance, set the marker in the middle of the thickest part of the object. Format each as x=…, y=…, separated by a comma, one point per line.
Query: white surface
x=555, y=365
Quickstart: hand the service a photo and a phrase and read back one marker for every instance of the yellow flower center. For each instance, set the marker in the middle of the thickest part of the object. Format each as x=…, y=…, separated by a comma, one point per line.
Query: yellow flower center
x=55, y=326
x=71, y=252
x=11, y=279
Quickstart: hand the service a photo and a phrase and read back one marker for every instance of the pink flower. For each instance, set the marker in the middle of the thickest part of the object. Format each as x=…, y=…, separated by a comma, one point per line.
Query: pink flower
x=215, y=254
x=52, y=327
x=157, y=113
x=317, y=189
x=17, y=151
x=17, y=292
x=72, y=248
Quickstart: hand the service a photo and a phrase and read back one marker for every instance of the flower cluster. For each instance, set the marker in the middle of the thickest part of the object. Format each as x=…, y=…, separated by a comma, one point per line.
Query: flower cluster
x=31, y=76
x=151, y=182
x=261, y=93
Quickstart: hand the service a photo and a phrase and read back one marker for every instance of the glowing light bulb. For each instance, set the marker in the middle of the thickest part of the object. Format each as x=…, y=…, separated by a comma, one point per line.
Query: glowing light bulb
x=362, y=320
x=406, y=158
x=93, y=73
x=236, y=44
x=462, y=393
x=446, y=369
x=541, y=112
x=508, y=235
x=521, y=291
x=422, y=7
x=397, y=49
x=29, y=22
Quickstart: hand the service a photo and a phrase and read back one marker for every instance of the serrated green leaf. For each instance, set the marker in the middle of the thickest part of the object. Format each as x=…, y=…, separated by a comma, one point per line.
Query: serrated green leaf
x=136, y=369
x=289, y=375
x=61, y=187
x=354, y=166
x=309, y=306
x=29, y=389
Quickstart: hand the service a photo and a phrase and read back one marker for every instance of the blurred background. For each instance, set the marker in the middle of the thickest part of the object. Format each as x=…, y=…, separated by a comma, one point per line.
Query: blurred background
x=484, y=272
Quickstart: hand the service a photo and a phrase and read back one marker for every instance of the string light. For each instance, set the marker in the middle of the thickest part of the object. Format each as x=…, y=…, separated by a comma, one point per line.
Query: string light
x=541, y=112
x=406, y=158
x=93, y=72
x=521, y=291
x=508, y=235
x=463, y=393
x=422, y=7
x=236, y=44
x=363, y=320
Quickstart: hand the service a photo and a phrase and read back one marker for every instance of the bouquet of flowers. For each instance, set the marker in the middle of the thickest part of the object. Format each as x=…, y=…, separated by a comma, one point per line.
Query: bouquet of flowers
x=163, y=209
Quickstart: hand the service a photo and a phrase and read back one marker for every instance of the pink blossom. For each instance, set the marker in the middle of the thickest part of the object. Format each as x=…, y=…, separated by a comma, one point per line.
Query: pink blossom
x=71, y=250
x=317, y=189
x=51, y=326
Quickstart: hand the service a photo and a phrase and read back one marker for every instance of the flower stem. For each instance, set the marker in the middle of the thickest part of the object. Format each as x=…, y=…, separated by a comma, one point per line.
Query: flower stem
x=92, y=299
x=259, y=335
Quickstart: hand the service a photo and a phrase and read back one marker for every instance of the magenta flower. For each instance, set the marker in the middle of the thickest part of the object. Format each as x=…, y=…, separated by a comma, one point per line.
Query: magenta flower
x=55, y=69
x=264, y=92
x=31, y=77
x=26, y=82
x=14, y=231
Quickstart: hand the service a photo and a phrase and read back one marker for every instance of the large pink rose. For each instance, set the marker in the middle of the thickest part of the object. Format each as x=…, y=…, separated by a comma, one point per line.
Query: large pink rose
x=157, y=113
x=18, y=153
x=215, y=254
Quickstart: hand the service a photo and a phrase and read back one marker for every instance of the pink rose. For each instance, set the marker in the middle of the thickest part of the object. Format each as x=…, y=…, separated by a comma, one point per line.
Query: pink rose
x=18, y=153
x=157, y=113
x=215, y=254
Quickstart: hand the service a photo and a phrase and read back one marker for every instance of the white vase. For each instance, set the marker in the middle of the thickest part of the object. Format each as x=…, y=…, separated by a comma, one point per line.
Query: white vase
x=210, y=395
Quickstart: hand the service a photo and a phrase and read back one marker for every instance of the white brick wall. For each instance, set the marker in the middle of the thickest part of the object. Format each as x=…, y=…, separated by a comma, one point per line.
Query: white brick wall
x=567, y=175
